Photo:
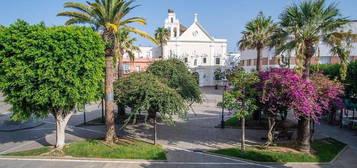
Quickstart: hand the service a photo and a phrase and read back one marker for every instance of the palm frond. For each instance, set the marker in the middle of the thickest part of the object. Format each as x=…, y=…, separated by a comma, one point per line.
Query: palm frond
x=142, y=34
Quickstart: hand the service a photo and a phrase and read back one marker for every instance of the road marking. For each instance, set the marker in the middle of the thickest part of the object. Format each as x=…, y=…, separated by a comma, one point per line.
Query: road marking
x=125, y=162
x=217, y=156
x=202, y=118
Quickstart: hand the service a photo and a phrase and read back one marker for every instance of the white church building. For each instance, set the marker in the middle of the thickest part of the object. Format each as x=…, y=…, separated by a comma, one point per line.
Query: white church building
x=202, y=53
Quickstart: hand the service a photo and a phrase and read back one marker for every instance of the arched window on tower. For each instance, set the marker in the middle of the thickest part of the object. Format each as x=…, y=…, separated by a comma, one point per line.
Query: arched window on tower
x=175, y=32
x=172, y=20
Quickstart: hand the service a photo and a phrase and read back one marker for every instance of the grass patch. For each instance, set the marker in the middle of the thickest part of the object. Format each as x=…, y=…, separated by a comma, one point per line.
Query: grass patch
x=125, y=149
x=324, y=151
x=233, y=122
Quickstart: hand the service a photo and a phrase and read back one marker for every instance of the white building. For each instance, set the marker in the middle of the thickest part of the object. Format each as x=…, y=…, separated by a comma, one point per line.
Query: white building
x=248, y=59
x=202, y=53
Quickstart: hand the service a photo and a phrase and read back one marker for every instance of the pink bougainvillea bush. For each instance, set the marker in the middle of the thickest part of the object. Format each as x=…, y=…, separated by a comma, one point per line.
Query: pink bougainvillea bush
x=329, y=92
x=284, y=89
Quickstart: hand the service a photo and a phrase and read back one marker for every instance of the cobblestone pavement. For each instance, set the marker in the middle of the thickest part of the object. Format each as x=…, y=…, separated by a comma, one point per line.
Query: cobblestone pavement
x=183, y=141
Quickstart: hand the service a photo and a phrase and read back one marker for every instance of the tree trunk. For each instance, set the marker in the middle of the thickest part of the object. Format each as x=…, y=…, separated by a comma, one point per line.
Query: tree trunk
x=162, y=49
x=259, y=56
x=151, y=113
x=309, y=53
x=331, y=117
x=270, y=136
x=61, y=123
x=121, y=108
x=306, y=74
x=121, y=65
x=121, y=112
x=110, y=134
x=243, y=135
x=155, y=131
x=303, y=134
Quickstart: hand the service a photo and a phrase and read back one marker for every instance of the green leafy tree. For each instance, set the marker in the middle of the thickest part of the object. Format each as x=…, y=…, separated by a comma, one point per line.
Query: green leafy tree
x=107, y=16
x=175, y=74
x=330, y=70
x=302, y=27
x=162, y=35
x=144, y=91
x=333, y=72
x=47, y=71
x=351, y=80
x=257, y=35
x=240, y=97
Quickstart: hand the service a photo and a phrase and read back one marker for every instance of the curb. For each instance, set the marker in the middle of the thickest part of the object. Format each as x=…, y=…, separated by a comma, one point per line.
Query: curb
x=285, y=163
x=77, y=159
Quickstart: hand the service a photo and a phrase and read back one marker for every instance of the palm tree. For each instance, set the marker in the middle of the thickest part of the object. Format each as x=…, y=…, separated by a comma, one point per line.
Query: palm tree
x=303, y=27
x=257, y=35
x=108, y=16
x=162, y=35
x=341, y=45
x=125, y=44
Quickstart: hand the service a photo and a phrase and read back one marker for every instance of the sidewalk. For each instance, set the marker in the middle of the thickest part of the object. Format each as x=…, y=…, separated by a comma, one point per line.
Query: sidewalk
x=347, y=159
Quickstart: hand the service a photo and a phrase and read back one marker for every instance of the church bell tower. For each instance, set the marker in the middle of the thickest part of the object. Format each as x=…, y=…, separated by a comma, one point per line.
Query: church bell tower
x=173, y=24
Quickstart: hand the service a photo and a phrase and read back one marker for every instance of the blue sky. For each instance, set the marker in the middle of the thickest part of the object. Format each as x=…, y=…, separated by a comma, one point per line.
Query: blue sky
x=222, y=19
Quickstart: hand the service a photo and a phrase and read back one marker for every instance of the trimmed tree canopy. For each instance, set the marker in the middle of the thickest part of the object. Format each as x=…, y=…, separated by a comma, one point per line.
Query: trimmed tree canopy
x=49, y=70
x=144, y=91
x=175, y=74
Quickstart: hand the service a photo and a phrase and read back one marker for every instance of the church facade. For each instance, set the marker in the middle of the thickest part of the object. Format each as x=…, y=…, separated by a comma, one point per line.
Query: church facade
x=201, y=52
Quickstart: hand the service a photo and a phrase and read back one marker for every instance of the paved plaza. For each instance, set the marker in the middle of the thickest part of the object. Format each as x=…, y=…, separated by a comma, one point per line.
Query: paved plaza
x=184, y=142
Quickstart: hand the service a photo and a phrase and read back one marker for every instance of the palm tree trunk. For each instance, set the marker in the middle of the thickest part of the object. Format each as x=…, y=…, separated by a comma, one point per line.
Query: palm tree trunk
x=121, y=108
x=303, y=132
x=259, y=57
x=110, y=134
x=121, y=65
x=109, y=101
x=303, y=139
x=256, y=113
x=307, y=64
x=162, y=49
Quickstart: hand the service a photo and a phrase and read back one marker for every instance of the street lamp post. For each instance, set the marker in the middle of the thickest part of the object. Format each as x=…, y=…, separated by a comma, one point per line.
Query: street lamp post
x=222, y=119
